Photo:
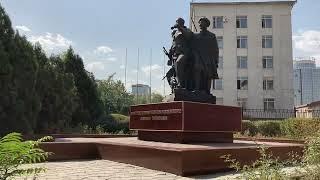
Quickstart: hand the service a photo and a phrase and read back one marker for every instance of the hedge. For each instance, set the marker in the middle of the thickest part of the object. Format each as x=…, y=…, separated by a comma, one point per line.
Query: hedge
x=293, y=128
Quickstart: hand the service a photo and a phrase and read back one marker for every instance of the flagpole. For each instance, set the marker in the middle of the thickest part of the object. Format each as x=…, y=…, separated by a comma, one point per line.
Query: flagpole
x=138, y=76
x=164, y=73
x=125, y=68
x=150, y=72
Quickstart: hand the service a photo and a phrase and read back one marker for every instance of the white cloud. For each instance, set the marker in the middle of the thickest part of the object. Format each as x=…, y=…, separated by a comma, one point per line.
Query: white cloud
x=103, y=50
x=52, y=43
x=122, y=67
x=103, y=53
x=111, y=59
x=156, y=70
x=23, y=28
x=146, y=69
x=308, y=41
x=307, y=44
x=95, y=66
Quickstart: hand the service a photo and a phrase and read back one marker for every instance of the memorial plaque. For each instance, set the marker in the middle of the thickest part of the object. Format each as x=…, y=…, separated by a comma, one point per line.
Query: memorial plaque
x=185, y=122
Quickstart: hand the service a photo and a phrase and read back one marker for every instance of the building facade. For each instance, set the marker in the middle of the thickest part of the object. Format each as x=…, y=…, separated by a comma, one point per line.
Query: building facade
x=140, y=89
x=255, y=41
x=311, y=110
x=306, y=82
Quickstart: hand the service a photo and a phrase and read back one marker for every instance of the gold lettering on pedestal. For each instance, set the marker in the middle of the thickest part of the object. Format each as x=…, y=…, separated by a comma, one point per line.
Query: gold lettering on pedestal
x=145, y=118
x=159, y=118
x=157, y=112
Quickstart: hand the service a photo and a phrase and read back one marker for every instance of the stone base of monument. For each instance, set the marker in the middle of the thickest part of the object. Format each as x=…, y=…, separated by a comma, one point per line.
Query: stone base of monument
x=185, y=122
x=193, y=96
x=180, y=159
x=185, y=137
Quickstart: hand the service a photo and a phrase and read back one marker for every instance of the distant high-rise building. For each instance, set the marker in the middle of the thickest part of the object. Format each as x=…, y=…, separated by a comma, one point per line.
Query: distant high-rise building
x=141, y=89
x=306, y=82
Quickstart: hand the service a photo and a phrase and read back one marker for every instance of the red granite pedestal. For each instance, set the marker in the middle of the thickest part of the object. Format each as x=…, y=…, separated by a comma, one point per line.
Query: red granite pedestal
x=185, y=122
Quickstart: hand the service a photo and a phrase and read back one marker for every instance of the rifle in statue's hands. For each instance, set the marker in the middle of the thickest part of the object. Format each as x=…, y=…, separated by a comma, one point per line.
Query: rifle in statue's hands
x=170, y=61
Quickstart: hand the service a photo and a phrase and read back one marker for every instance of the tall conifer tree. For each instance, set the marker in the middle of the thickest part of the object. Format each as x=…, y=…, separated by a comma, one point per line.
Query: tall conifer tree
x=90, y=104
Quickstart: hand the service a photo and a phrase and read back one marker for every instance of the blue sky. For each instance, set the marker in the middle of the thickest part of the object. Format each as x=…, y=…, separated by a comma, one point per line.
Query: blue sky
x=101, y=30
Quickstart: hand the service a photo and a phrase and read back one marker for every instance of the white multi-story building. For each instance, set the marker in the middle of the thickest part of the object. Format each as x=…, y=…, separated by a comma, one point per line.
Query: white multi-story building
x=306, y=82
x=255, y=41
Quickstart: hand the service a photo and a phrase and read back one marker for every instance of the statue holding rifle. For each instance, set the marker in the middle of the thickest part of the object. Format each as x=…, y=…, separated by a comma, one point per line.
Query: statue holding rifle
x=180, y=52
x=194, y=60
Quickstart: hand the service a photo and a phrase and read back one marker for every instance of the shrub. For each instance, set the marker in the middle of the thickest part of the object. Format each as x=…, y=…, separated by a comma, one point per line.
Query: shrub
x=249, y=128
x=300, y=128
x=116, y=123
x=311, y=158
x=264, y=168
x=269, y=128
x=15, y=152
x=312, y=150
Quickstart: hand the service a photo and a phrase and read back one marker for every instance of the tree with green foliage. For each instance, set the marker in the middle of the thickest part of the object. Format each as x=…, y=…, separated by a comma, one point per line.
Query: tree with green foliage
x=41, y=94
x=57, y=92
x=19, y=104
x=90, y=108
x=156, y=98
x=114, y=96
x=145, y=99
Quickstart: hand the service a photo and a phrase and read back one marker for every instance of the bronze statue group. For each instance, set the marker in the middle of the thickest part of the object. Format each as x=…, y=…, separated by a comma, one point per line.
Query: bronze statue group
x=194, y=57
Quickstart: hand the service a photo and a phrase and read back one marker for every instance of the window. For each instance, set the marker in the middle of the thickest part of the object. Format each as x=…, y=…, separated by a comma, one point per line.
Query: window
x=242, y=42
x=242, y=22
x=220, y=42
x=266, y=21
x=267, y=84
x=242, y=83
x=219, y=101
x=242, y=62
x=267, y=62
x=217, y=22
x=266, y=41
x=218, y=84
x=220, y=64
x=242, y=102
x=268, y=104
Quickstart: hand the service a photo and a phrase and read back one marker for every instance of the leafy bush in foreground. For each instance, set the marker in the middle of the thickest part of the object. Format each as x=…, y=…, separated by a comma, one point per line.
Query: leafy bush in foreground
x=265, y=168
x=15, y=152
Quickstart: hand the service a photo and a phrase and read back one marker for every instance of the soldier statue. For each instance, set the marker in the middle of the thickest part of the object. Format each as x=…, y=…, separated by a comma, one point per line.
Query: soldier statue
x=194, y=58
x=206, y=57
x=180, y=51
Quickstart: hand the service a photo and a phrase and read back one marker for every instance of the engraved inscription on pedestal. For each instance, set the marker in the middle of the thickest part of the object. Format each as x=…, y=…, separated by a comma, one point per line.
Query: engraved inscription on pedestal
x=156, y=115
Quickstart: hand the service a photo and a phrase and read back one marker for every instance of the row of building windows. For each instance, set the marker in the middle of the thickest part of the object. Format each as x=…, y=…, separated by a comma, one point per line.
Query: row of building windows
x=268, y=103
x=242, y=42
x=242, y=62
x=241, y=22
x=242, y=83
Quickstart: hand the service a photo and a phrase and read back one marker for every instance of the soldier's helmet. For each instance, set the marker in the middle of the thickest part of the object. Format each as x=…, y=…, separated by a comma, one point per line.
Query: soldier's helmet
x=205, y=20
x=180, y=21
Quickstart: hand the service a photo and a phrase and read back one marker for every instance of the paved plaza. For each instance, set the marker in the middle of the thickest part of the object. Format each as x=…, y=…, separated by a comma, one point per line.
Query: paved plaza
x=104, y=169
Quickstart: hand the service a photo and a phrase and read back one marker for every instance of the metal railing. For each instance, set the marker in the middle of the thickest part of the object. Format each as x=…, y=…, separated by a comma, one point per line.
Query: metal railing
x=251, y=114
